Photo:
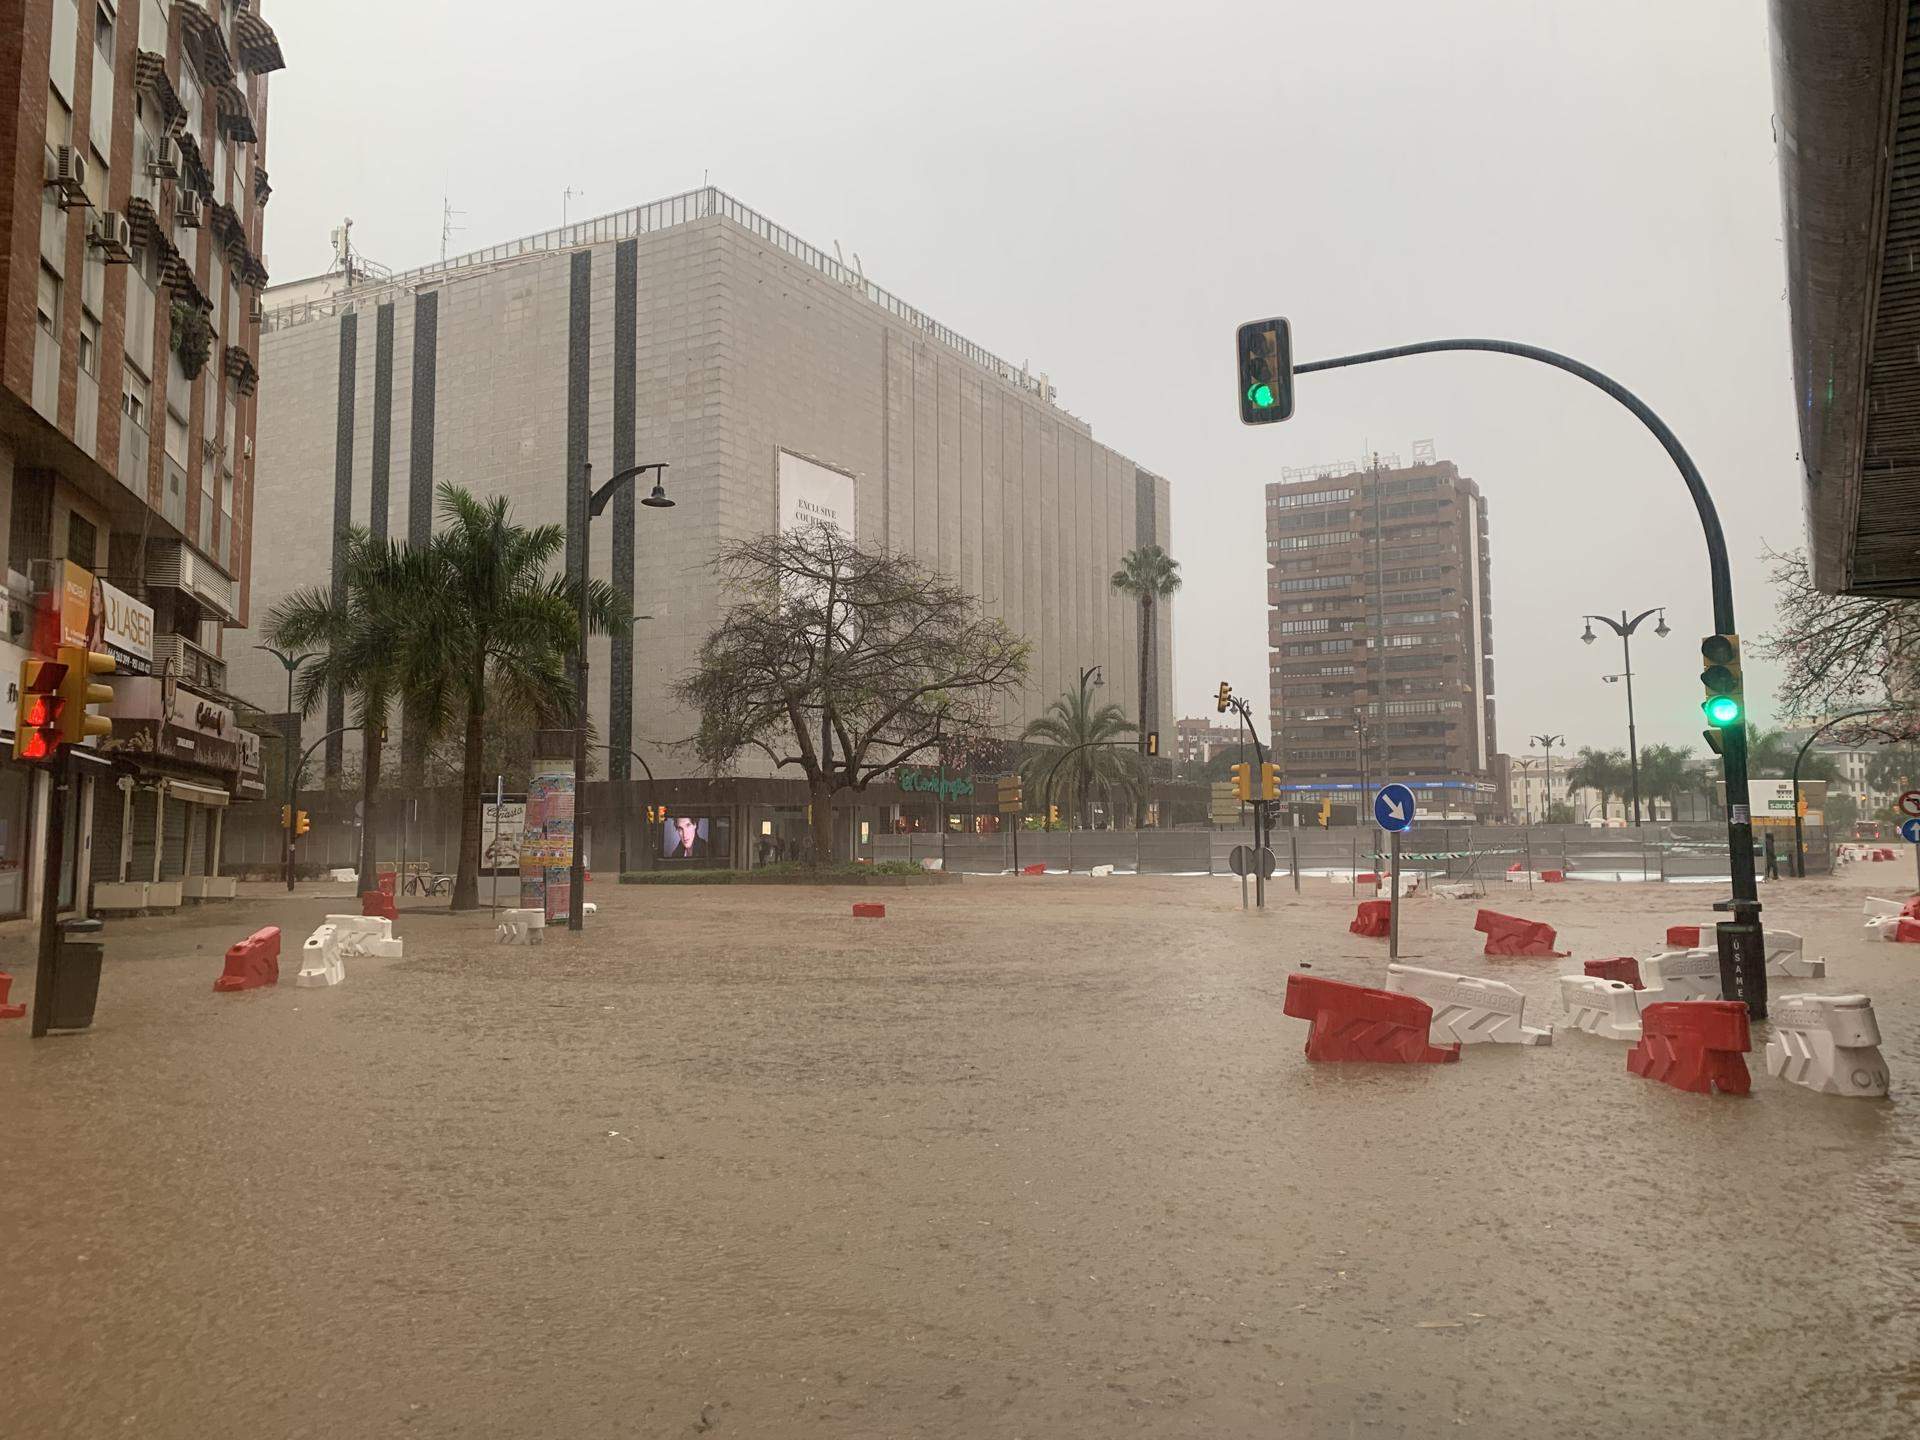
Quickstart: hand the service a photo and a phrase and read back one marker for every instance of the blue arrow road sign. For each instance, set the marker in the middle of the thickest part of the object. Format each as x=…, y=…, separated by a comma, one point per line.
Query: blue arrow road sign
x=1393, y=807
x=1910, y=831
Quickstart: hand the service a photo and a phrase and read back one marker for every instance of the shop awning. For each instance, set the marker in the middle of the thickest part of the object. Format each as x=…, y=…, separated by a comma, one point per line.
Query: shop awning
x=197, y=794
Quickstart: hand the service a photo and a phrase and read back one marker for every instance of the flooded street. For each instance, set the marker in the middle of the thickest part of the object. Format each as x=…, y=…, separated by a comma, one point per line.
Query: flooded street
x=1027, y=1158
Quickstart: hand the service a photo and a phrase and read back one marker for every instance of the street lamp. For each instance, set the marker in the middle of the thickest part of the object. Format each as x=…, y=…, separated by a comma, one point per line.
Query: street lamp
x=1624, y=628
x=597, y=501
x=1547, y=742
x=292, y=664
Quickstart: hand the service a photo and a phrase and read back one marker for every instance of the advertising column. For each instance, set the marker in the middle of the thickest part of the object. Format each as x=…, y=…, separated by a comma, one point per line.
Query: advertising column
x=546, y=846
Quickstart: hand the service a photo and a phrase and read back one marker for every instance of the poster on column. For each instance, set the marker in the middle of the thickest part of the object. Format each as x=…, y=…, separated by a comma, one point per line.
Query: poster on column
x=546, y=845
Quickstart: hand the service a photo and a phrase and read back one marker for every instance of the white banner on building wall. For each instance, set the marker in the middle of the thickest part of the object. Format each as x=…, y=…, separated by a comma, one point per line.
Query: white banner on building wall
x=812, y=493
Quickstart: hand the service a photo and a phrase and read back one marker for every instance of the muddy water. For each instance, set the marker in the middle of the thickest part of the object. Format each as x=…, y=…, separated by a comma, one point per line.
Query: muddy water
x=1024, y=1159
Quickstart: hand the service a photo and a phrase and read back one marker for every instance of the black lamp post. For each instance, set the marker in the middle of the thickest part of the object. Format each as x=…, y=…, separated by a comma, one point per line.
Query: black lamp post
x=292, y=664
x=1624, y=628
x=1091, y=672
x=597, y=501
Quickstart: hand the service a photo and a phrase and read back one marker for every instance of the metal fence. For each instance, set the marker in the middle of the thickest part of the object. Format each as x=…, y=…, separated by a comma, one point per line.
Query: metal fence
x=1651, y=852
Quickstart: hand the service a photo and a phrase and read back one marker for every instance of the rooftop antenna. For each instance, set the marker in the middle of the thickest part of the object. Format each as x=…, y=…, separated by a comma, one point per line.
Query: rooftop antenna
x=342, y=240
x=447, y=227
x=566, y=199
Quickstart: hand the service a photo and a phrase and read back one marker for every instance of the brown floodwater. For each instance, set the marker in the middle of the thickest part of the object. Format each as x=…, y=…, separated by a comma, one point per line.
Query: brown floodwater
x=1028, y=1158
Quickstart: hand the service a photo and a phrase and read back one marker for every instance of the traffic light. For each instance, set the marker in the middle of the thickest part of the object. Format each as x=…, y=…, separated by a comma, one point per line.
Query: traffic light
x=1326, y=814
x=286, y=817
x=1266, y=371
x=1720, y=656
x=78, y=691
x=1153, y=742
x=36, y=719
x=1224, y=698
x=1243, y=782
x=1269, y=781
x=300, y=826
x=1053, y=815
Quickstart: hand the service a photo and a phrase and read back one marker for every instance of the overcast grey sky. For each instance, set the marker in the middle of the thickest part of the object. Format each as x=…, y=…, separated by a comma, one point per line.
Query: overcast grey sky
x=1107, y=189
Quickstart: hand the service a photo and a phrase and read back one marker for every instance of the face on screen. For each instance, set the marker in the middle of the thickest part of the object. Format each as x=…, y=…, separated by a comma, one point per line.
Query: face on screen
x=685, y=835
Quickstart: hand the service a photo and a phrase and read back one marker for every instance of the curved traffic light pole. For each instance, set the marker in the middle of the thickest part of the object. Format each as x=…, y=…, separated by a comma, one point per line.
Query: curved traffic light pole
x=1799, y=823
x=1742, y=949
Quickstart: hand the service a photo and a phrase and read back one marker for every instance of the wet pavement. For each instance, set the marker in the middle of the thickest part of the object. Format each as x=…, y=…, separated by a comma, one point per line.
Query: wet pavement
x=1031, y=1158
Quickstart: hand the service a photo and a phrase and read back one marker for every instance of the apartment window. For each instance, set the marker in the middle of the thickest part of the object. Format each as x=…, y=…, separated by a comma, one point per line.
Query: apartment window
x=1297, y=627
x=49, y=305
x=1314, y=582
x=176, y=437
x=83, y=540
x=90, y=345
x=1309, y=498
x=136, y=398
x=66, y=48
x=1315, y=542
x=100, y=122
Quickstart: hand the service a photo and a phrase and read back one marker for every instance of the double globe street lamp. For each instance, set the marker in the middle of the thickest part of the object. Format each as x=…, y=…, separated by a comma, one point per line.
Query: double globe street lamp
x=1624, y=628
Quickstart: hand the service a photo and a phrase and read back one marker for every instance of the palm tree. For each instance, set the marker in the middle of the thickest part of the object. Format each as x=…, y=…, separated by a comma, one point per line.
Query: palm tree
x=1602, y=770
x=1104, y=765
x=355, y=634
x=492, y=633
x=1149, y=575
x=1665, y=774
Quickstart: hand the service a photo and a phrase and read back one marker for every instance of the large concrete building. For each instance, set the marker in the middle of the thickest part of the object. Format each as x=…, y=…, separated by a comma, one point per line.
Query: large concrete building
x=772, y=378
x=132, y=166
x=1380, y=629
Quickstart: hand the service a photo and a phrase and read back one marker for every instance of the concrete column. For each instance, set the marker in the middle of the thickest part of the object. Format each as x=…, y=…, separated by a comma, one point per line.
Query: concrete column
x=219, y=828
x=159, y=826
x=83, y=852
x=126, y=826
x=37, y=848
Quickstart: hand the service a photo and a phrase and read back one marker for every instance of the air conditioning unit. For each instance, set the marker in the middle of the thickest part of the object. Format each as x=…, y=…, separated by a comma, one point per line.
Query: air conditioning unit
x=113, y=236
x=246, y=446
x=160, y=162
x=67, y=173
x=186, y=210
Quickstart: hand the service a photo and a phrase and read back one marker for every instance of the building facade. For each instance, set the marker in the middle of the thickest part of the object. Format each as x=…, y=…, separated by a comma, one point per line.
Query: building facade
x=132, y=154
x=775, y=381
x=1380, y=634
x=1198, y=739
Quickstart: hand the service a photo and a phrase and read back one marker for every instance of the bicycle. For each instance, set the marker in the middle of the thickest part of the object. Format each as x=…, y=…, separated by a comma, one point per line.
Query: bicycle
x=421, y=882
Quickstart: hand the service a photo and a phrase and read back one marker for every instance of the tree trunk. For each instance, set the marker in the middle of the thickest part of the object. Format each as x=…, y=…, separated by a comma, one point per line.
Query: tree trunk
x=821, y=791
x=466, y=881
x=1146, y=640
x=369, y=788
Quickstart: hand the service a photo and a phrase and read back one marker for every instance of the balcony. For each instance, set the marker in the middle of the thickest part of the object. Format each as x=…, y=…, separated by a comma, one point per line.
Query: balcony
x=191, y=665
x=174, y=565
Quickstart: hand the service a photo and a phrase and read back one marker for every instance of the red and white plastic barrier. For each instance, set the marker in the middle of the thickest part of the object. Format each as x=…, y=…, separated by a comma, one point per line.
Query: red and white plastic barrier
x=9, y=1012
x=1607, y=1008
x=1372, y=919
x=1353, y=1022
x=1680, y=975
x=1787, y=958
x=320, y=963
x=251, y=963
x=1699, y=1046
x=1623, y=968
x=1828, y=1043
x=1511, y=935
x=1899, y=928
x=378, y=903
x=1468, y=1010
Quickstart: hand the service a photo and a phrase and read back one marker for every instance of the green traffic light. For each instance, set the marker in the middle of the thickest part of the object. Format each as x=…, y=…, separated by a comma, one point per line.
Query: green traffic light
x=1722, y=711
x=1261, y=394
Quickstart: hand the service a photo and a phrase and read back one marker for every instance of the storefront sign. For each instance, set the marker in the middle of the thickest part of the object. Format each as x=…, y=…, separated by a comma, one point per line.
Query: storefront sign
x=161, y=719
x=65, y=608
x=934, y=782
x=814, y=494
x=126, y=630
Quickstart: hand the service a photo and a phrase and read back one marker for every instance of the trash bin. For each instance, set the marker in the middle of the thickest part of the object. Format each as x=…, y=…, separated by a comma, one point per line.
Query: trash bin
x=76, y=973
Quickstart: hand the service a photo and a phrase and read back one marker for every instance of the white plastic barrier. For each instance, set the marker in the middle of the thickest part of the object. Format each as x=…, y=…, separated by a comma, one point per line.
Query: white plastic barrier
x=320, y=959
x=369, y=936
x=1886, y=927
x=1874, y=907
x=1607, y=1008
x=343, y=877
x=1101, y=871
x=1828, y=1043
x=1457, y=892
x=1787, y=958
x=1680, y=975
x=522, y=927
x=1468, y=1009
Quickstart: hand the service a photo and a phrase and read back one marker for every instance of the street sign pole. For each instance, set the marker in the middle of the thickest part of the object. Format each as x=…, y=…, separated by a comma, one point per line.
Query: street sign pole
x=1293, y=849
x=1259, y=852
x=1393, y=908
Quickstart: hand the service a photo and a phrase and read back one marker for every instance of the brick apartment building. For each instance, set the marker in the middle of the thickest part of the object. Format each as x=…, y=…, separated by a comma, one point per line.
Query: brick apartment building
x=1198, y=739
x=770, y=376
x=1380, y=632
x=131, y=155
